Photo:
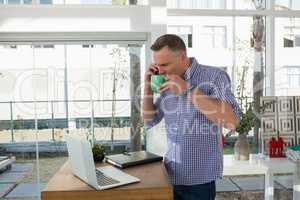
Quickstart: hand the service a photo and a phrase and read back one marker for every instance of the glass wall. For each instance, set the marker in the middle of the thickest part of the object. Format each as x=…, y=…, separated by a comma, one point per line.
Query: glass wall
x=239, y=43
x=71, y=85
x=50, y=90
x=227, y=38
x=230, y=40
x=6, y=123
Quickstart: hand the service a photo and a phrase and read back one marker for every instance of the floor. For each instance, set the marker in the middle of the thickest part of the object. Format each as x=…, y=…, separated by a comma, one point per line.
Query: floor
x=13, y=187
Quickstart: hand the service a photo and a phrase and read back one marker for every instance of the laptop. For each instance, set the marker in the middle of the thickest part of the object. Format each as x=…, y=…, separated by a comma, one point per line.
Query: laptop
x=82, y=166
x=128, y=159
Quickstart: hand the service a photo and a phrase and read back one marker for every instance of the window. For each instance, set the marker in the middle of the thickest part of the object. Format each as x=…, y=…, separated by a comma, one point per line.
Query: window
x=215, y=4
x=215, y=36
x=214, y=41
x=87, y=46
x=46, y=2
x=47, y=73
x=291, y=36
x=293, y=75
x=287, y=4
x=102, y=2
x=43, y=46
x=10, y=46
x=185, y=33
x=200, y=4
x=13, y=2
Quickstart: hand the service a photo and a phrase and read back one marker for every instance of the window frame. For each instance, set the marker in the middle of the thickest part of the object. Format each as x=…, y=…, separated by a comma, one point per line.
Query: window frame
x=213, y=34
x=291, y=72
x=292, y=34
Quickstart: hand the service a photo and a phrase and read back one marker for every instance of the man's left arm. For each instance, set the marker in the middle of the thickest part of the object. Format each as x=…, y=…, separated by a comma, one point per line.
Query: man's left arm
x=220, y=105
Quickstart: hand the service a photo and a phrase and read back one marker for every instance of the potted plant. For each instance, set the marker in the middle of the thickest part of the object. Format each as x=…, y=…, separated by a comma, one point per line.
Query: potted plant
x=98, y=152
x=241, y=146
x=247, y=117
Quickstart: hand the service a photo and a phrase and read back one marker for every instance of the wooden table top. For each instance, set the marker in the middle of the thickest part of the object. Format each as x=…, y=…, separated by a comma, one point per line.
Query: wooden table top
x=154, y=184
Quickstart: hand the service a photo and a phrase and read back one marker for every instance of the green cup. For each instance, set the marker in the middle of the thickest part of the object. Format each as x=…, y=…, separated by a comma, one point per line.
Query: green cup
x=156, y=82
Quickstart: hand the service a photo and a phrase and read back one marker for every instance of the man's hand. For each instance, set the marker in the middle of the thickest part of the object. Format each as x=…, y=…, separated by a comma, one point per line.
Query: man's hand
x=175, y=84
x=153, y=69
x=149, y=109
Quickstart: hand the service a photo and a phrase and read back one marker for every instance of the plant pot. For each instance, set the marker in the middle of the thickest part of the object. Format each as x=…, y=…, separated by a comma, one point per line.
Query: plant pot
x=98, y=151
x=241, y=148
x=98, y=157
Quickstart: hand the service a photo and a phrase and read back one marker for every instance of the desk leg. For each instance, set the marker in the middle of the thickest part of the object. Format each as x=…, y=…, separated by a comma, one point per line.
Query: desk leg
x=296, y=183
x=269, y=186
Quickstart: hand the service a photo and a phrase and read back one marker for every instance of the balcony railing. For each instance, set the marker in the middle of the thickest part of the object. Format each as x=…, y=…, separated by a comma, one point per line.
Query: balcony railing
x=55, y=118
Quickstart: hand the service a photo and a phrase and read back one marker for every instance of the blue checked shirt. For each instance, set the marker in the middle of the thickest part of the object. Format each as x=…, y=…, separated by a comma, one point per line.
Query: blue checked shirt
x=194, y=154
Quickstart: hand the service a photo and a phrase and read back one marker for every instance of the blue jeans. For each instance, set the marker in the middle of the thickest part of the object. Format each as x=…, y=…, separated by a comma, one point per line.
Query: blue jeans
x=205, y=191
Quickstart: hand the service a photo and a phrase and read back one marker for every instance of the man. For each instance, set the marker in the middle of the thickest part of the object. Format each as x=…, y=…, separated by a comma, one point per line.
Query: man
x=195, y=101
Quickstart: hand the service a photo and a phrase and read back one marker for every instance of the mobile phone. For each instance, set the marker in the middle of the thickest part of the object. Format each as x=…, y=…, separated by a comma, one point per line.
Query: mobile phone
x=156, y=72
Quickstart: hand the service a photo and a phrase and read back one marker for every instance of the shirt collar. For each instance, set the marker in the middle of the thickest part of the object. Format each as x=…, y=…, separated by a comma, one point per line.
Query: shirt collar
x=191, y=69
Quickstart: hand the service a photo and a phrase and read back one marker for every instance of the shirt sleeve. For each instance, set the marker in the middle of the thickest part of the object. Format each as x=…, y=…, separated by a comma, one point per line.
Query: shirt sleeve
x=221, y=89
x=159, y=114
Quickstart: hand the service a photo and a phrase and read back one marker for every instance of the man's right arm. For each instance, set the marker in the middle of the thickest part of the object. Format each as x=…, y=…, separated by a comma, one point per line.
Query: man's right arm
x=148, y=106
x=152, y=112
x=149, y=109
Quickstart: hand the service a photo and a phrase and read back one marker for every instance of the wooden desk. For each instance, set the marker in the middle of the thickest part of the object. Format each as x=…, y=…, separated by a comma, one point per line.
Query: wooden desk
x=154, y=185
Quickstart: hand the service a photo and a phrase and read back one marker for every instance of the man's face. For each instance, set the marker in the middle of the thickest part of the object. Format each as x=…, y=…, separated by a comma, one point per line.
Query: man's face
x=169, y=62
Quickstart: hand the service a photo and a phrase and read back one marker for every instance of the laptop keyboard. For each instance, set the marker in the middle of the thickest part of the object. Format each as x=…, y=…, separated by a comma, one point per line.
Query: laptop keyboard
x=104, y=180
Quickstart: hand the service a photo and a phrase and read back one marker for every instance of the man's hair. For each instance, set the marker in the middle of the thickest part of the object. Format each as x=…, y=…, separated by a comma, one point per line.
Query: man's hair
x=173, y=42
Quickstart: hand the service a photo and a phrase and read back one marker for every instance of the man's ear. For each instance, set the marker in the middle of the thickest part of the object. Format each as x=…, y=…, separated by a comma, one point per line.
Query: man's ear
x=183, y=55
